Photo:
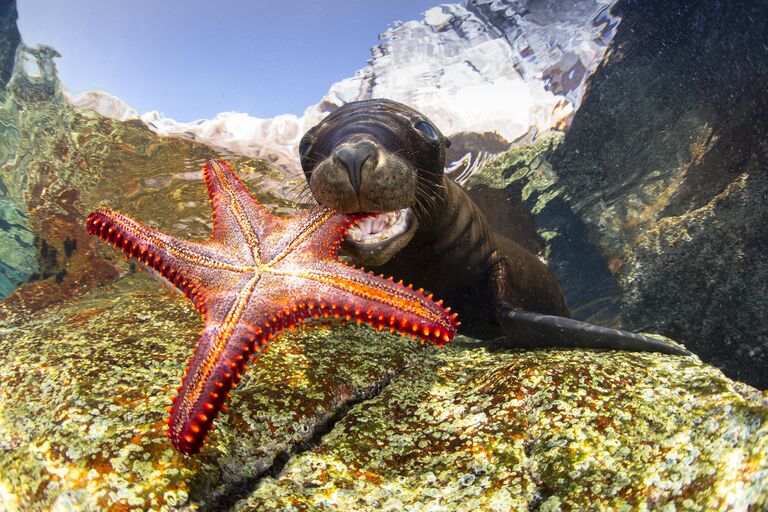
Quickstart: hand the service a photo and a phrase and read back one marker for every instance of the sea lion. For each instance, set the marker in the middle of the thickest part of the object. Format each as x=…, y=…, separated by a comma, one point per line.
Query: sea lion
x=383, y=157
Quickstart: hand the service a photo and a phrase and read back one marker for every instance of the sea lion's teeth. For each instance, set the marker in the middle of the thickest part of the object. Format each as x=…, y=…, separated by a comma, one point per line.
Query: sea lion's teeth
x=379, y=227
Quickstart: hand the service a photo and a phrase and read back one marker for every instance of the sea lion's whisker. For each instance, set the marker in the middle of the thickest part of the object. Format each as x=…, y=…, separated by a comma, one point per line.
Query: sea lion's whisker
x=425, y=198
x=306, y=197
x=301, y=193
x=424, y=204
x=298, y=186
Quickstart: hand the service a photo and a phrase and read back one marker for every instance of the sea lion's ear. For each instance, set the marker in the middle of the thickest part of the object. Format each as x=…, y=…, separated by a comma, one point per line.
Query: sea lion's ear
x=447, y=143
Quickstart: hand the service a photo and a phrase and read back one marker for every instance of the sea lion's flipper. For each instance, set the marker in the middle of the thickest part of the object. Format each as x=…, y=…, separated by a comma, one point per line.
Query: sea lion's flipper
x=533, y=330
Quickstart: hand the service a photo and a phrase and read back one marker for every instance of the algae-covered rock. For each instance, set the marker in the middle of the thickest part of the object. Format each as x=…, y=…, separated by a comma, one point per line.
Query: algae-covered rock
x=718, y=253
x=83, y=387
x=57, y=164
x=469, y=429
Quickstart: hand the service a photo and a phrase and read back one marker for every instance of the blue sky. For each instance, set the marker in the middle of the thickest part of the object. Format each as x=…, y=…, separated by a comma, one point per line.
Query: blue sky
x=193, y=59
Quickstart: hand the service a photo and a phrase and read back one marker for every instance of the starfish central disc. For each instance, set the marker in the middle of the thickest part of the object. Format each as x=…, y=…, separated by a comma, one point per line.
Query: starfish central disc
x=257, y=275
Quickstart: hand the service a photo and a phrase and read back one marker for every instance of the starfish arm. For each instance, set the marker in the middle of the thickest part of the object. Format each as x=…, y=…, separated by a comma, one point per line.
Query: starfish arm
x=215, y=368
x=186, y=265
x=315, y=233
x=237, y=216
x=344, y=291
x=238, y=330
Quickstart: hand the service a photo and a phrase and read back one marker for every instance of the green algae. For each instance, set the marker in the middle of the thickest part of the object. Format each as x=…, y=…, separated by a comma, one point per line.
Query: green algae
x=526, y=163
x=83, y=387
x=549, y=430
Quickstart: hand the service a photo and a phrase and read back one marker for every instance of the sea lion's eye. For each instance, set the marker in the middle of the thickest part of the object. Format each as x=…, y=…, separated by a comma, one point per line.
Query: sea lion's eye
x=426, y=128
x=304, y=146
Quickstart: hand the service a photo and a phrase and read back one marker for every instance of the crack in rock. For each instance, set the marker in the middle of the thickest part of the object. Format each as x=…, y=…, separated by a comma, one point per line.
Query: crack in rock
x=235, y=491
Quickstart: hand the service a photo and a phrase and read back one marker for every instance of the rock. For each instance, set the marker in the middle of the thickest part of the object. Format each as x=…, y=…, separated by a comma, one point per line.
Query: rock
x=83, y=388
x=470, y=429
x=716, y=253
x=665, y=164
x=9, y=39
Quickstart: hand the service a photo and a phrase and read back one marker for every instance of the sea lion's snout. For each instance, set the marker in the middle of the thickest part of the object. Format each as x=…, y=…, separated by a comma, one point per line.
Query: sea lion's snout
x=360, y=175
x=354, y=157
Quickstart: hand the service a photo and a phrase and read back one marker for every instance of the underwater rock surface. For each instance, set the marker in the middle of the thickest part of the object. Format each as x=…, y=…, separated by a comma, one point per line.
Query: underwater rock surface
x=83, y=386
x=665, y=163
x=470, y=429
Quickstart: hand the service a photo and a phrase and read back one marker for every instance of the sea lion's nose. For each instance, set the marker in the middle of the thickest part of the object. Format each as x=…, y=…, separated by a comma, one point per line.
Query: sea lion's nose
x=353, y=157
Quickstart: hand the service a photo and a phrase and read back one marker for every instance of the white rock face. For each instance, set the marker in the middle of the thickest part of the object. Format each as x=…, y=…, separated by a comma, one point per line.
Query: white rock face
x=274, y=139
x=516, y=67
x=103, y=103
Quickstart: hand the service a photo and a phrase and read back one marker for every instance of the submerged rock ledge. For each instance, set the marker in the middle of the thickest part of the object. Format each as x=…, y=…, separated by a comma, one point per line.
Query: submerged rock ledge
x=541, y=430
x=83, y=386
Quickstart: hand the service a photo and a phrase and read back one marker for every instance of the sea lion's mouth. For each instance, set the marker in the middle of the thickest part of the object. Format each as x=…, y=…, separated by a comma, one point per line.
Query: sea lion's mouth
x=375, y=239
x=380, y=227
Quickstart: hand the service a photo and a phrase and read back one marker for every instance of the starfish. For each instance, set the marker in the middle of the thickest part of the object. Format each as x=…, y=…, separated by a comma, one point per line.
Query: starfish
x=257, y=275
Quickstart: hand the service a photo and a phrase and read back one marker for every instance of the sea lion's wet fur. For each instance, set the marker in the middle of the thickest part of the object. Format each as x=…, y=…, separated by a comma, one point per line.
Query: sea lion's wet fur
x=495, y=284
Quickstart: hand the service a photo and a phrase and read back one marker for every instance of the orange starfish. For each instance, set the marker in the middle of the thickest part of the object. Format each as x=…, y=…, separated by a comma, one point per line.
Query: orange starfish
x=257, y=275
